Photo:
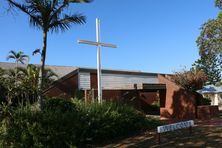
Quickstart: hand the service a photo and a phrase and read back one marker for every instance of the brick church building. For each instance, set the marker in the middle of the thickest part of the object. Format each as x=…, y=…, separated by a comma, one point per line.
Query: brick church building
x=141, y=88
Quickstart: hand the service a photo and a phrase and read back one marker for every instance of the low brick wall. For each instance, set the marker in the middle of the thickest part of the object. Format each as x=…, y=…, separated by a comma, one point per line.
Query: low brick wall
x=178, y=103
x=207, y=112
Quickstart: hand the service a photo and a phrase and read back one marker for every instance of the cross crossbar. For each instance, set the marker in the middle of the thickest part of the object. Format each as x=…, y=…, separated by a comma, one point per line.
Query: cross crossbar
x=97, y=43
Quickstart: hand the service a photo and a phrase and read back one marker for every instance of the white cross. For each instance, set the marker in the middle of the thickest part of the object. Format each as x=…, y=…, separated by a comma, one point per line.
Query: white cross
x=98, y=44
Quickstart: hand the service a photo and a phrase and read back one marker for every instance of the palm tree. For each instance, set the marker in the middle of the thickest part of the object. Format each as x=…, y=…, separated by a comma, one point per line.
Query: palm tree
x=48, y=15
x=30, y=74
x=19, y=57
x=30, y=78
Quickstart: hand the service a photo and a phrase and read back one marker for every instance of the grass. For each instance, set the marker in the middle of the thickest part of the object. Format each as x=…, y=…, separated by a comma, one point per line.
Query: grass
x=202, y=136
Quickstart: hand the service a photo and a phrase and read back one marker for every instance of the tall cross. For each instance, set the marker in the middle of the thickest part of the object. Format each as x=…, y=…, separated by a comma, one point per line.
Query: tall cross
x=98, y=43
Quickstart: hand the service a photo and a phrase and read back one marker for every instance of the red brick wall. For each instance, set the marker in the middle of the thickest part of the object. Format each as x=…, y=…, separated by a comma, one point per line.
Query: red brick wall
x=148, y=97
x=136, y=98
x=207, y=112
x=179, y=103
x=65, y=88
x=175, y=102
x=93, y=80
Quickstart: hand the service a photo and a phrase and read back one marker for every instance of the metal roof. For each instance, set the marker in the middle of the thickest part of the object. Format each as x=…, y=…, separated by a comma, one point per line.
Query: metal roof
x=130, y=72
x=61, y=71
x=210, y=89
x=65, y=71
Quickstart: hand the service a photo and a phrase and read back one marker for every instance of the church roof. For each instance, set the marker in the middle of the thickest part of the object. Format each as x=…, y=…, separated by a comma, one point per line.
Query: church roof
x=60, y=71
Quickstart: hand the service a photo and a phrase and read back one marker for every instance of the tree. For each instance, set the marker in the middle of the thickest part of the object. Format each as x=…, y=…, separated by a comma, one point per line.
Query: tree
x=191, y=80
x=19, y=57
x=210, y=66
x=30, y=78
x=25, y=87
x=2, y=85
x=210, y=38
x=48, y=15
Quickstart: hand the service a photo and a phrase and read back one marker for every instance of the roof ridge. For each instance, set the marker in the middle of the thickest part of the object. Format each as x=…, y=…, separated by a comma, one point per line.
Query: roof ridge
x=38, y=64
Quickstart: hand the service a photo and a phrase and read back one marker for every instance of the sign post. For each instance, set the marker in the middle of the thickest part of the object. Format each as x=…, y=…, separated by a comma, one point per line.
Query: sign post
x=171, y=127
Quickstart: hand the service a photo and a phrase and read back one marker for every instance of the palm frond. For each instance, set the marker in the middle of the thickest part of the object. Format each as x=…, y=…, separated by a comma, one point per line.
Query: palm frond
x=18, y=57
x=12, y=52
x=10, y=57
x=25, y=56
x=50, y=74
x=80, y=1
x=28, y=9
x=65, y=23
x=37, y=51
x=20, y=52
x=36, y=22
x=21, y=61
x=57, y=9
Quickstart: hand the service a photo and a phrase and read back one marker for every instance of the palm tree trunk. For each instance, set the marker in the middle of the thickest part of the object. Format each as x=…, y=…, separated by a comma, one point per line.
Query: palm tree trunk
x=41, y=72
x=16, y=67
x=16, y=73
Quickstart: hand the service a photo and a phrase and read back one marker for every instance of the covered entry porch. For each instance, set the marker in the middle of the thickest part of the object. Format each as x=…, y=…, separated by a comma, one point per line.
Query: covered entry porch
x=144, y=97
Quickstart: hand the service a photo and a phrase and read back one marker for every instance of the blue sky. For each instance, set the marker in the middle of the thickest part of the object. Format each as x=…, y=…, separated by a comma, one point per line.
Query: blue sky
x=151, y=35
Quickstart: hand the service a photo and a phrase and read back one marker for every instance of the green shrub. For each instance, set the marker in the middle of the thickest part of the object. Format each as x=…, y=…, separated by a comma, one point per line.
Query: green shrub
x=66, y=124
x=16, y=126
x=106, y=121
x=33, y=128
x=58, y=104
x=205, y=101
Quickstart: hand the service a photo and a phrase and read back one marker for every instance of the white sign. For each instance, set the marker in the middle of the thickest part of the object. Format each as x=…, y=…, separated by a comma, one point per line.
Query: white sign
x=175, y=126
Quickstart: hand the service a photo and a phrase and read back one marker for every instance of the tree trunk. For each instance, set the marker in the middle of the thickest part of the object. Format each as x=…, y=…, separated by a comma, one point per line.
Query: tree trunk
x=41, y=72
x=16, y=73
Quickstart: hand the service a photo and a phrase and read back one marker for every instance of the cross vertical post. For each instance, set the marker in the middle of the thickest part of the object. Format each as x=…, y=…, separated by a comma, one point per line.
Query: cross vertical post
x=99, y=44
x=99, y=73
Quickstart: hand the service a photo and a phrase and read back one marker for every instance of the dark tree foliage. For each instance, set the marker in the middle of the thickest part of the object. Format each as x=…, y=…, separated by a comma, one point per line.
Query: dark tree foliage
x=2, y=85
x=210, y=39
x=210, y=46
x=20, y=85
x=211, y=67
x=191, y=80
x=218, y=3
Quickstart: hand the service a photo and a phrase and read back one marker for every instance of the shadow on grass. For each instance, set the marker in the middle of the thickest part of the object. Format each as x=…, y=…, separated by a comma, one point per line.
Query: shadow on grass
x=200, y=137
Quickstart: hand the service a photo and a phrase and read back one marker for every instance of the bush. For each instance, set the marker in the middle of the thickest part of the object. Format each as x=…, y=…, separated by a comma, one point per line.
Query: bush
x=109, y=120
x=33, y=128
x=200, y=100
x=66, y=124
x=58, y=104
x=205, y=101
